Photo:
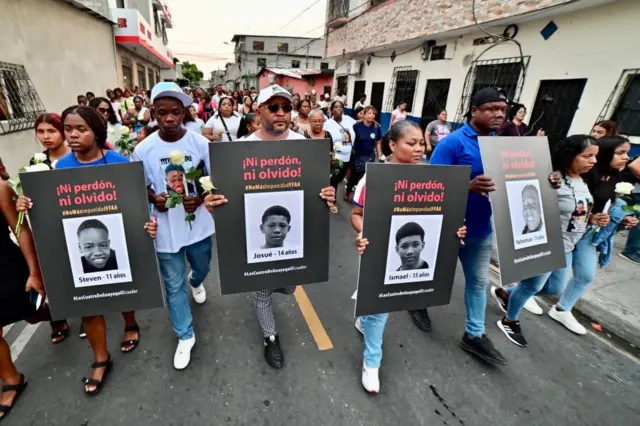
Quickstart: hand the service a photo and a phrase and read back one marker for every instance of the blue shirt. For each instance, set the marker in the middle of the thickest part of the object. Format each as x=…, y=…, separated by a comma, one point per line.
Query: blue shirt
x=70, y=161
x=460, y=148
x=366, y=137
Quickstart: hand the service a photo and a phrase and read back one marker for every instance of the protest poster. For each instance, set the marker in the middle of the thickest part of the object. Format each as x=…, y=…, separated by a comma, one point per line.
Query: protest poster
x=526, y=217
x=274, y=231
x=411, y=216
x=88, y=227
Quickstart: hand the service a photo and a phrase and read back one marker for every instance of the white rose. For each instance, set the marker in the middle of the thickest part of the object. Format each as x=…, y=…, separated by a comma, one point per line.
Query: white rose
x=53, y=164
x=176, y=157
x=39, y=157
x=624, y=188
x=38, y=167
x=206, y=184
x=124, y=130
x=337, y=146
x=111, y=130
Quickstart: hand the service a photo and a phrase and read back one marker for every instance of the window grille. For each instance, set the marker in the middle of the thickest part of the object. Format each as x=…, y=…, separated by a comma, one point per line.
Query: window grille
x=402, y=88
x=20, y=104
x=623, y=103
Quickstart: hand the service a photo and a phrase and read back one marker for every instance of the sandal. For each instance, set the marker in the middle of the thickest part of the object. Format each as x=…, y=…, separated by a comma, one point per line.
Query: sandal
x=60, y=334
x=107, y=365
x=18, y=389
x=82, y=334
x=132, y=343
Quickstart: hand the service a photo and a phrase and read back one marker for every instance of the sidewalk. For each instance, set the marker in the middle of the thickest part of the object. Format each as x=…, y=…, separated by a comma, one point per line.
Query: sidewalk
x=613, y=299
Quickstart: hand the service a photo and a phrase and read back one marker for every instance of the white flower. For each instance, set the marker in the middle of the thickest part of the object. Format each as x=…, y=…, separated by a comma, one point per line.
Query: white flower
x=111, y=130
x=176, y=157
x=337, y=146
x=39, y=157
x=53, y=164
x=38, y=167
x=124, y=130
x=206, y=184
x=624, y=188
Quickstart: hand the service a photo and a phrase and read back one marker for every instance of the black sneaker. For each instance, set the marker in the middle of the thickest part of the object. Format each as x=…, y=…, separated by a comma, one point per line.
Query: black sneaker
x=272, y=352
x=501, y=297
x=421, y=319
x=483, y=349
x=632, y=257
x=513, y=331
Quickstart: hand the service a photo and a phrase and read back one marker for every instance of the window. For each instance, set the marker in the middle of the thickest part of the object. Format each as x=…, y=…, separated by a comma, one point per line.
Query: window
x=262, y=62
x=327, y=90
x=156, y=21
x=437, y=52
x=627, y=112
x=142, y=77
x=165, y=39
x=283, y=47
x=127, y=75
x=374, y=3
x=324, y=65
x=403, y=87
x=295, y=64
x=341, y=83
x=120, y=4
x=258, y=46
x=338, y=9
x=20, y=104
x=151, y=77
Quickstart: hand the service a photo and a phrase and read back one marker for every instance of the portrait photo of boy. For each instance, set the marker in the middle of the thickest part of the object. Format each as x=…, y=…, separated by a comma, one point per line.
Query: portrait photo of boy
x=95, y=247
x=275, y=225
x=409, y=246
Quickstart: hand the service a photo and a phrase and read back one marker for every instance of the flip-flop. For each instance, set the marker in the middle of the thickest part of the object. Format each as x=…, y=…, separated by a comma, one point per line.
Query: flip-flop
x=19, y=388
x=132, y=343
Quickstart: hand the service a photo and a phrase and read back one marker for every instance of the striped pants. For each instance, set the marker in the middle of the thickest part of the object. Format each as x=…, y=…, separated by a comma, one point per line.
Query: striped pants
x=262, y=304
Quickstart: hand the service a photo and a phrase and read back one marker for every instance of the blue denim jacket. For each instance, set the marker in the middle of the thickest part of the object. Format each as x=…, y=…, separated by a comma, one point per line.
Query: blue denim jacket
x=603, y=238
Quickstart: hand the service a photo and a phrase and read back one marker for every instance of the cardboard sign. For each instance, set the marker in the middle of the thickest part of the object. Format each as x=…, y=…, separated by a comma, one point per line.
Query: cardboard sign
x=88, y=227
x=411, y=216
x=274, y=231
x=526, y=217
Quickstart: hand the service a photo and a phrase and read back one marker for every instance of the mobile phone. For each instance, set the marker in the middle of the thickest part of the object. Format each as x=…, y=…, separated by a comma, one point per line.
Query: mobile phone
x=35, y=299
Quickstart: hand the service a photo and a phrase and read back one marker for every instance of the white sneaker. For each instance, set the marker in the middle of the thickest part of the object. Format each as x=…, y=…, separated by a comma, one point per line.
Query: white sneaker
x=370, y=380
x=533, y=307
x=567, y=319
x=183, y=353
x=199, y=294
x=359, y=326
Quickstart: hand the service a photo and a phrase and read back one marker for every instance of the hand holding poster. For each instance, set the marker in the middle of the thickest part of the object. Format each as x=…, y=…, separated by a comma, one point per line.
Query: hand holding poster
x=525, y=206
x=274, y=232
x=88, y=228
x=411, y=216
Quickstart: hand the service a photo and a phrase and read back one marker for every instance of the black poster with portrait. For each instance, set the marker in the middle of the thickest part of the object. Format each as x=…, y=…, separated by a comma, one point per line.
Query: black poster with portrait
x=274, y=231
x=88, y=227
x=526, y=217
x=412, y=214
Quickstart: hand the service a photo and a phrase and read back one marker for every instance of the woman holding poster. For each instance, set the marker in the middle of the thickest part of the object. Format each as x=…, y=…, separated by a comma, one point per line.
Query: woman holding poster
x=571, y=158
x=20, y=285
x=86, y=133
x=406, y=143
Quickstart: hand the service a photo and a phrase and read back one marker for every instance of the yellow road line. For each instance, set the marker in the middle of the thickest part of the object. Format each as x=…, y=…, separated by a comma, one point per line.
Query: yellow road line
x=313, y=321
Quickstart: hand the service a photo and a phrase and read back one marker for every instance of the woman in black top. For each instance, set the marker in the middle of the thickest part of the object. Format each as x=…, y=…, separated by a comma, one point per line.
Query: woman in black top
x=20, y=282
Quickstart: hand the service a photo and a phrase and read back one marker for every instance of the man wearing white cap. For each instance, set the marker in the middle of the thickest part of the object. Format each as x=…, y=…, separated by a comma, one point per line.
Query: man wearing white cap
x=274, y=110
x=167, y=155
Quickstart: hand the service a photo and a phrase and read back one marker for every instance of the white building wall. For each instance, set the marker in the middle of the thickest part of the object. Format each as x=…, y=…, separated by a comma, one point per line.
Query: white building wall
x=65, y=51
x=596, y=44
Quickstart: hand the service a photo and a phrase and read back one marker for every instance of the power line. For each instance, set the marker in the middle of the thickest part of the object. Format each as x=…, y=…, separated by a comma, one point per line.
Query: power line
x=299, y=15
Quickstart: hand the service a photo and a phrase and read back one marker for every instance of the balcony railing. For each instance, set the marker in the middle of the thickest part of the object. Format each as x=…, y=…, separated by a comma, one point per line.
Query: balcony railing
x=338, y=9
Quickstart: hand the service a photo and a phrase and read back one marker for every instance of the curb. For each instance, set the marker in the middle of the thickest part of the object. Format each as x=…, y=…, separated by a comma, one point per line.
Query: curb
x=614, y=317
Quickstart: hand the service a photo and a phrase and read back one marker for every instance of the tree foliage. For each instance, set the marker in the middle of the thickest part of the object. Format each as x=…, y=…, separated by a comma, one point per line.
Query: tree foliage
x=191, y=72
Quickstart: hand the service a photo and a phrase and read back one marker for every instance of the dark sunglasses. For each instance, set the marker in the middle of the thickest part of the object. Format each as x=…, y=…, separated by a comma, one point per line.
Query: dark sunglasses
x=103, y=110
x=275, y=107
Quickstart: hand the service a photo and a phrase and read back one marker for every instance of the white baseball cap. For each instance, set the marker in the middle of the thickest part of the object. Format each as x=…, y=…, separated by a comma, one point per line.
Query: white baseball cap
x=272, y=92
x=168, y=89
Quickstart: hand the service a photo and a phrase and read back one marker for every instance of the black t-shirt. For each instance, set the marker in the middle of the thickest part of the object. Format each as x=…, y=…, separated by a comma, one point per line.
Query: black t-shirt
x=111, y=265
x=603, y=187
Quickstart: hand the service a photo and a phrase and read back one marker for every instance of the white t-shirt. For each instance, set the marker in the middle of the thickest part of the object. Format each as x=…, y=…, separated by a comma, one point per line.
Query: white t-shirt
x=173, y=230
x=359, y=105
x=341, y=147
x=398, y=115
x=342, y=99
x=232, y=123
x=193, y=126
x=290, y=135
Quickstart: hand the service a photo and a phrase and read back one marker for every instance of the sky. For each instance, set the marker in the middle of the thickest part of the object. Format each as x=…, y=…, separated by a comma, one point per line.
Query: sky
x=200, y=27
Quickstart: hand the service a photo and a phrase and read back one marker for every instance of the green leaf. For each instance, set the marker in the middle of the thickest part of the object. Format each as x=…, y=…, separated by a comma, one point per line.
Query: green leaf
x=636, y=207
x=22, y=170
x=628, y=208
x=194, y=174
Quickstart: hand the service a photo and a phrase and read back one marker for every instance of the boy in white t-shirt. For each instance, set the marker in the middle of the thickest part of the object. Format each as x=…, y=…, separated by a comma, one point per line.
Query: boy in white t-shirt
x=167, y=155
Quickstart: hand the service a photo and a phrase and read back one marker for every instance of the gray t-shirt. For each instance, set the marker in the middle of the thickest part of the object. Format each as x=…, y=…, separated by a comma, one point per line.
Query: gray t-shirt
x=575, y=203
x=437, y=131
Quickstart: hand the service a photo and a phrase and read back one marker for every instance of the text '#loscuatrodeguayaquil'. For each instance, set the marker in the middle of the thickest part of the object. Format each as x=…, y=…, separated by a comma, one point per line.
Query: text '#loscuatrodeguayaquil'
x=424, y=196
x=262, y=173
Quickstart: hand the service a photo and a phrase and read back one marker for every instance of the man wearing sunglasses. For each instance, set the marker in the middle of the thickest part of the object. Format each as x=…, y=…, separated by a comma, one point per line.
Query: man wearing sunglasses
x=274, y=112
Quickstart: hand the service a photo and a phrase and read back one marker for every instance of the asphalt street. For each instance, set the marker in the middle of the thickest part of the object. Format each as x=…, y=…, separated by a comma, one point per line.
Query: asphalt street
x=426, y=379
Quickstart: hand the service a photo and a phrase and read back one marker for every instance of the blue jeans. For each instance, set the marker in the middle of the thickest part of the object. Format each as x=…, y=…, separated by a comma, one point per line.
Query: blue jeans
x=547, y=284
x=174, y=270
x=475, y=257
x=373, y=326
x=585, y=260
x=633, y=242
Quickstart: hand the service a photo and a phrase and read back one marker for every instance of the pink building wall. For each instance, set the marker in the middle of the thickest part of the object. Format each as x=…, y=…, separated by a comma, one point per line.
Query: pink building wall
x=297, y=85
